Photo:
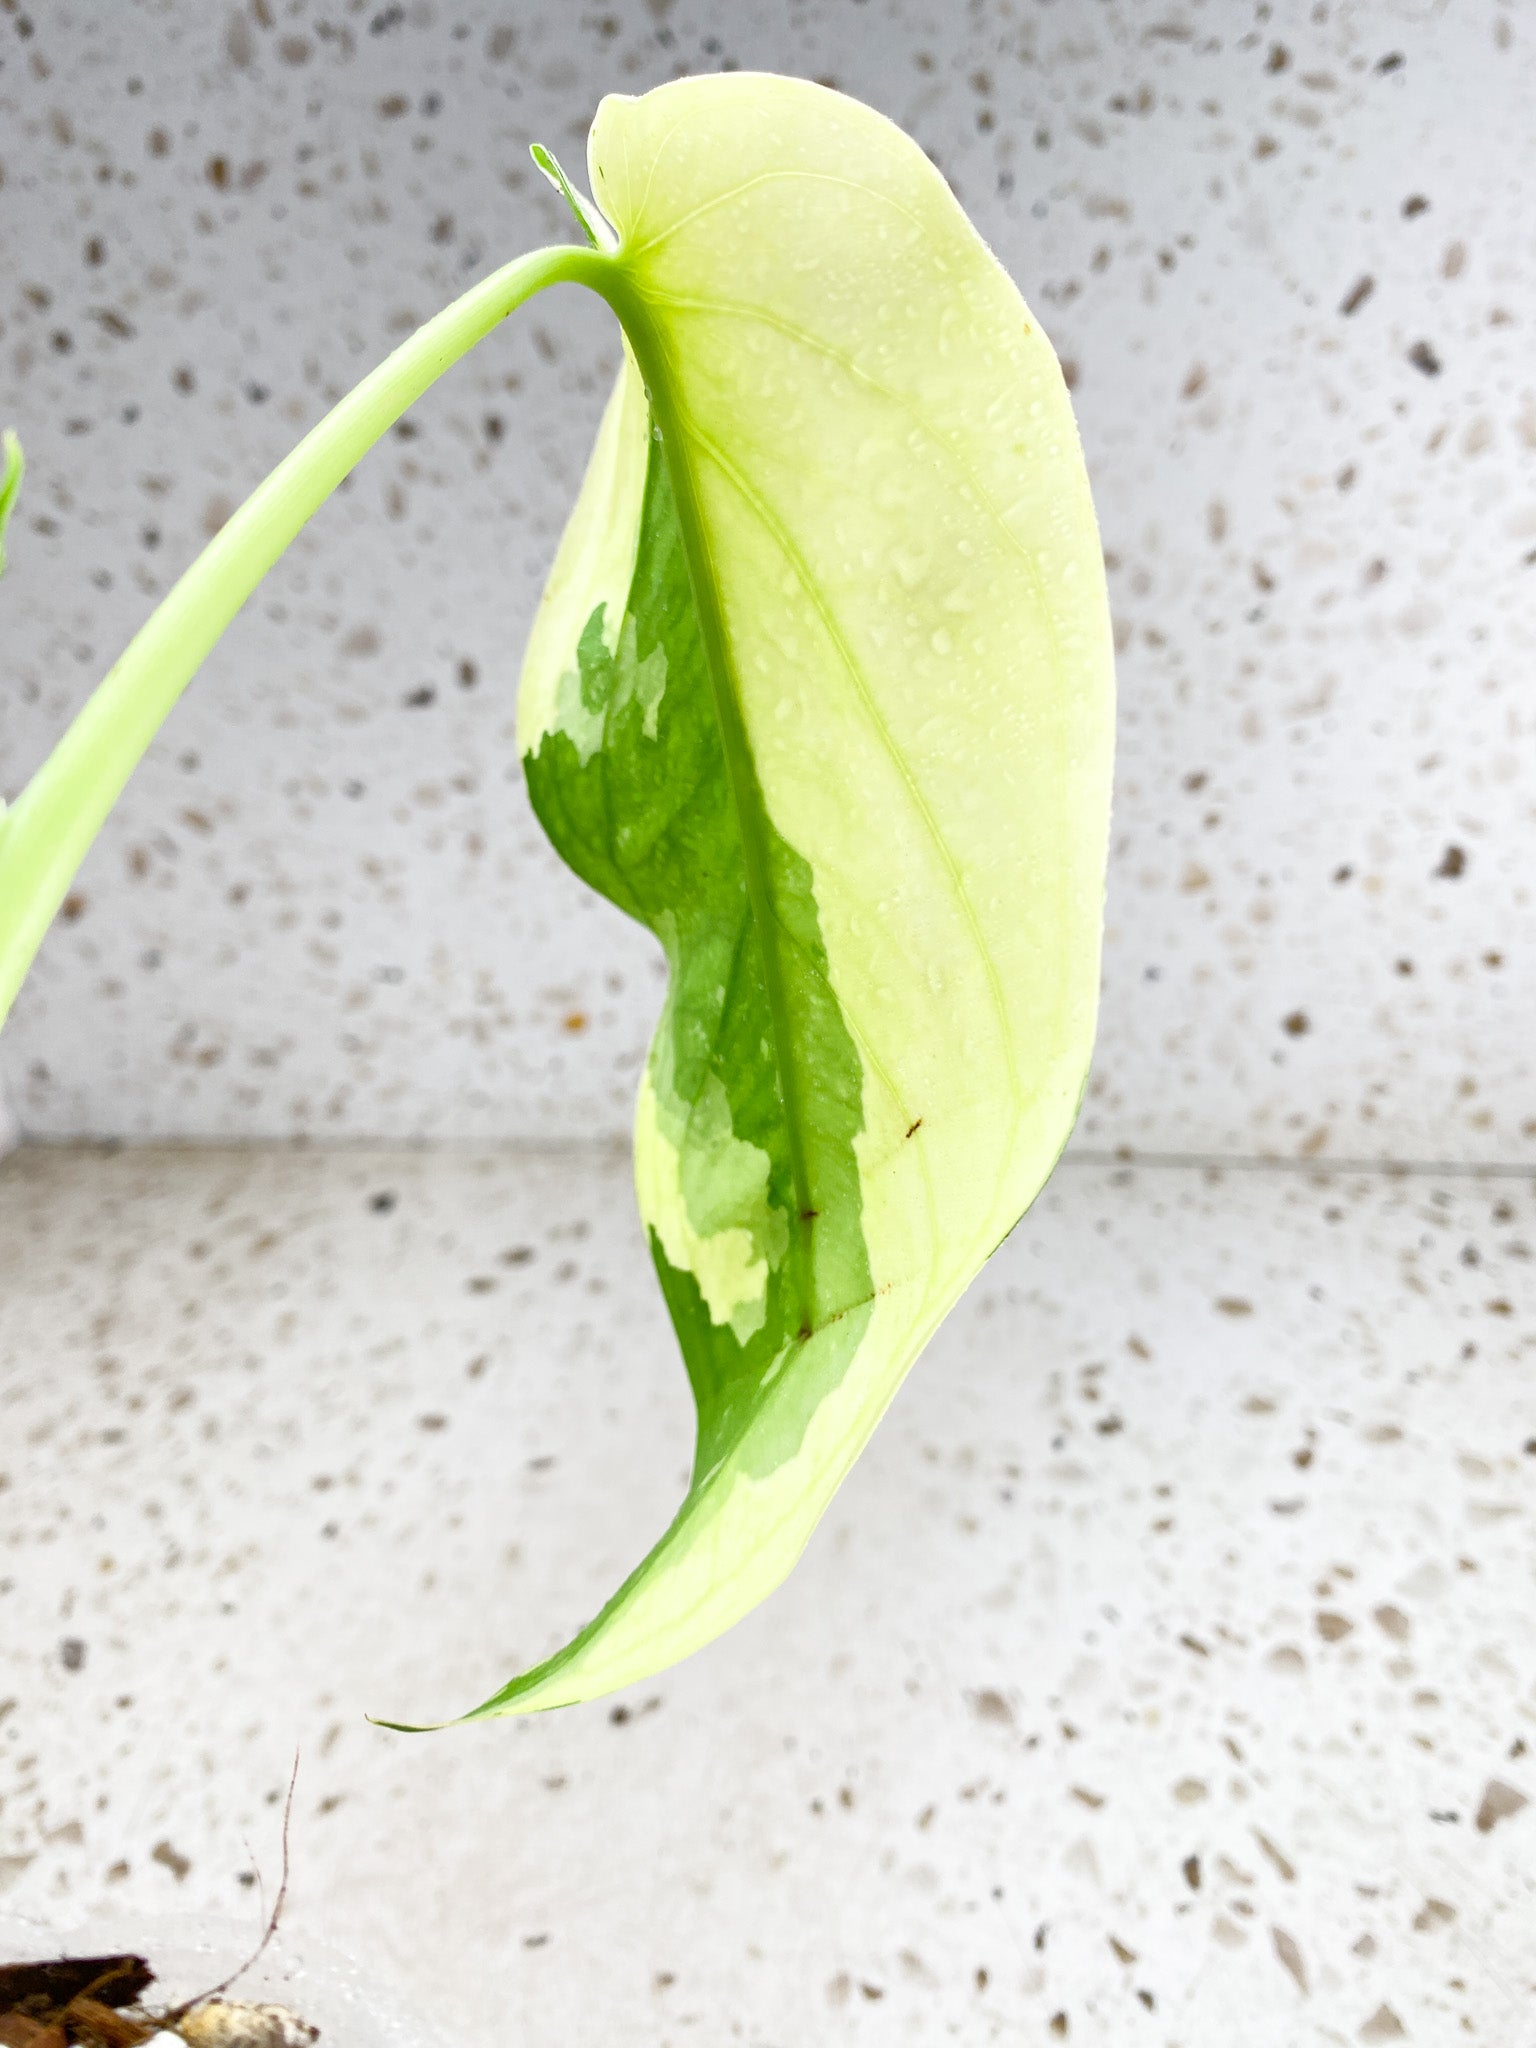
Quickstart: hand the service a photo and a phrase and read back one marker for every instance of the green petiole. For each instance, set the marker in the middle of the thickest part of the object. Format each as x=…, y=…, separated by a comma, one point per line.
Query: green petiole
x=11, y=469
x=47, y=832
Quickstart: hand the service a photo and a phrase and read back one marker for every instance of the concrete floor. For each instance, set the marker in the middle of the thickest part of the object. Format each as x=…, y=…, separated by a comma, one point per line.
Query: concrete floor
x=1165, y=1674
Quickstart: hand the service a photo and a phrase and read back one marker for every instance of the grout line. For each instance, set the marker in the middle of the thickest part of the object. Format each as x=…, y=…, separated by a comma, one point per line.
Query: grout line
x=615, y=1145
x=1232, y=1162
x=12, y=1137
x=604, y=1144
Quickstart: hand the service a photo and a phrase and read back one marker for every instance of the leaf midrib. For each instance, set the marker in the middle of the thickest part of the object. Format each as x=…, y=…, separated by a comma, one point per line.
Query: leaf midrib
x=609, y=277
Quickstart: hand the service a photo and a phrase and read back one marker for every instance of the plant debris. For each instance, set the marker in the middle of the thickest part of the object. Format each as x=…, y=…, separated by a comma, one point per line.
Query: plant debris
x=96, y=2001
x=221, y=2023
x=73, y=1998
x=113, y=1980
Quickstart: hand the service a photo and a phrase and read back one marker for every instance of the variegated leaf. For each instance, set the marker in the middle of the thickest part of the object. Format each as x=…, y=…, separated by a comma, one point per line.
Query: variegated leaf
x=820, y=691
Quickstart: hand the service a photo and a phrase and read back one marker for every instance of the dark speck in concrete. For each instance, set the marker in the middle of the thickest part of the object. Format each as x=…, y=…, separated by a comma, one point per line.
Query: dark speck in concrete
x=990, y=1705
x=177, y=1864
x=1500, y=1802
x=1383, y=2025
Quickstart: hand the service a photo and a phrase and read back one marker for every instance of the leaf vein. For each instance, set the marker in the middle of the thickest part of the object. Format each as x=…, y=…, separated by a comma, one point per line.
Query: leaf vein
x=793, y=331
x=776, y=530
x=733, y=192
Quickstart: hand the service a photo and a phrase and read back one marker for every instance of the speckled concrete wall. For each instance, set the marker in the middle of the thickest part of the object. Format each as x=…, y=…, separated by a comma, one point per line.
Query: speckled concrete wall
x=1163, y=1674
x=1286, y=251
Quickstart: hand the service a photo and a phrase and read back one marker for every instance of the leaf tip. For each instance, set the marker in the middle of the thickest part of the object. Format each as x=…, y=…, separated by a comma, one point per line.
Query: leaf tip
x=406, y=1727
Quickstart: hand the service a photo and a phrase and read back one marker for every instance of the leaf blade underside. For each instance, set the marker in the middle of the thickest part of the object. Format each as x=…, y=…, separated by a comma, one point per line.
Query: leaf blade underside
x=821, y=692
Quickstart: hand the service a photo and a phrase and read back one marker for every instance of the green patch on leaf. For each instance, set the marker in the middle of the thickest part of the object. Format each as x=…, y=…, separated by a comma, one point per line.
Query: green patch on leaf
x=753, y=1217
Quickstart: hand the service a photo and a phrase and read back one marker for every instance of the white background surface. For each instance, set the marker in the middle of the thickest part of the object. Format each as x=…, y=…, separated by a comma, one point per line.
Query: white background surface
x=324, y=909
x=1164, y=1673
x=1203, y=1531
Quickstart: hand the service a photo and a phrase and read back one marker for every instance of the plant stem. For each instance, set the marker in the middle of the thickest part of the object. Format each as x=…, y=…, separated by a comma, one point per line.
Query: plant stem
x=48, y=831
